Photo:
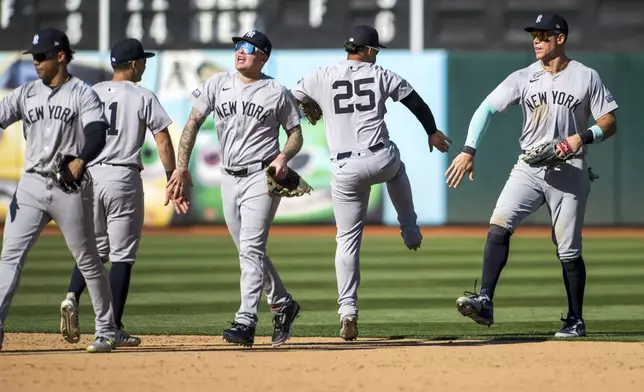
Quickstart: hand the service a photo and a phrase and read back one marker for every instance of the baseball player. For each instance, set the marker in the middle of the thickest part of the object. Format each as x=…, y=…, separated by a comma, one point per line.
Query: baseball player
x=60, y=114
x=352, y=95
x=557, y=95
x=249, y=108
x=118, y=189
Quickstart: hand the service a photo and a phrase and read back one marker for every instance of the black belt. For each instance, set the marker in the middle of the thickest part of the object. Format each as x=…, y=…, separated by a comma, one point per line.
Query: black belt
x=243, y=172
x=374, y=148
x=129, y=166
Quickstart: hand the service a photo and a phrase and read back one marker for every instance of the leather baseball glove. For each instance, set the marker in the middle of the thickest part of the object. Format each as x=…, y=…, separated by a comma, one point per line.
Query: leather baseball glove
x=290, y=186
x=311, y=110
x=545, y=154
x=60, y=174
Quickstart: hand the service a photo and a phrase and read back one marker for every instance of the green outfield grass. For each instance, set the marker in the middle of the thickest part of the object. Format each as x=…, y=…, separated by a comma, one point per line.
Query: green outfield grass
x=190, y=285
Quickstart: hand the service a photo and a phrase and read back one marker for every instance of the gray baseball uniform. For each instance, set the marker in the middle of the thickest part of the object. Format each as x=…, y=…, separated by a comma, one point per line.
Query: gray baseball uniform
x=248, y=118
x=53, y=121
x=118, y=188
x=552, y=105
x=352, y=96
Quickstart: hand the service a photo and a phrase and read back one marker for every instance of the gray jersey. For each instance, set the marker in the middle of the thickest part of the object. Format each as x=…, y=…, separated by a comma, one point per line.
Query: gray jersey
x=553, y=105
x=247, y=116
x=52, y=119
x=130, y=110
x=352, y=97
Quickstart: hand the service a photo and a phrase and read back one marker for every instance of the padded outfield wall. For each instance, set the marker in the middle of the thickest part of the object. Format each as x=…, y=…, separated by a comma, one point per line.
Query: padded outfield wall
x=453, y=84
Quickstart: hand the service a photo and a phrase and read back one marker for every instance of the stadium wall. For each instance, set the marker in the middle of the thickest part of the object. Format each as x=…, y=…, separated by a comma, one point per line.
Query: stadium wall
x=453, y=84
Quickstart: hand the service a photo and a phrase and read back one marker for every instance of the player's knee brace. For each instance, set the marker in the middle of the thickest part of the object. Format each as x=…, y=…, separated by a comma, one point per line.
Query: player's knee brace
x=573, y=267
x=498, y=235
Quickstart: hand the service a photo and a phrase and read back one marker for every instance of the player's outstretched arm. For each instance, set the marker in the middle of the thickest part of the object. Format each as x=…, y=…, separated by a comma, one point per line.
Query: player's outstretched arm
x=166, y=154
x=188, y=137
x=419, y=108
x=181, y=176
x=166, y=151
x=10, y=110
x=464, y=162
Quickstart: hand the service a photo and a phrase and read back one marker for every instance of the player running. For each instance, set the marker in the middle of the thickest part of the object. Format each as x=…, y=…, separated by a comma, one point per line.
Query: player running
x=118, y=188
x=557, y=96
x=60, y=115
x=352, y=96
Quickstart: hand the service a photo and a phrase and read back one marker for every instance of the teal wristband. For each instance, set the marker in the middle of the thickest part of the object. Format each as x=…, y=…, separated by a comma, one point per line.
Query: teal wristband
x=598, y=134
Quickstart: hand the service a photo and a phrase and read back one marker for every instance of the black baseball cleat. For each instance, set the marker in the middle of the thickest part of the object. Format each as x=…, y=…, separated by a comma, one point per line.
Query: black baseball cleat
x=282, y=322
x=240, y=334
x=477, y=307
x=572, y=327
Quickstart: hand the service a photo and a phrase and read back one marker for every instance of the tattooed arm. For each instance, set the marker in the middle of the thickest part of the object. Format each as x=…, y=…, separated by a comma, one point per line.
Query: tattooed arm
x=188, y=137
x=181, y=176
x=291, y=148
x=293, y=143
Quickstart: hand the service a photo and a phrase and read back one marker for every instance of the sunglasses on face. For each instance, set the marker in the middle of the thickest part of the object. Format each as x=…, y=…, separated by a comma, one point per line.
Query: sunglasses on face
x=543, y=35
x=40, y=57
x=246, y=47
x=377, y=50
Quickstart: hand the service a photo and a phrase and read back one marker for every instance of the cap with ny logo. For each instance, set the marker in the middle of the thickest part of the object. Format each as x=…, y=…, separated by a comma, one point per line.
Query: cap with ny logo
x=257, y=38
x=549, y=22
x=47, y=40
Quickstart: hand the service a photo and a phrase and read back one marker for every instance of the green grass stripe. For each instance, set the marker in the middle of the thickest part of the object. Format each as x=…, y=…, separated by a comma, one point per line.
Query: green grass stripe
x=187, y=294
x=191, y=285
x=231, y=304
x=202, y=284
x=205, y=265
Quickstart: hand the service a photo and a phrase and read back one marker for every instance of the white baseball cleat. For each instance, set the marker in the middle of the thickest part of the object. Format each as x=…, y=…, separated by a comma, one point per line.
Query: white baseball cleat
x=349, y=327
x=412, y=237
x=124, y=339
x=69, y=327
x=101, y=344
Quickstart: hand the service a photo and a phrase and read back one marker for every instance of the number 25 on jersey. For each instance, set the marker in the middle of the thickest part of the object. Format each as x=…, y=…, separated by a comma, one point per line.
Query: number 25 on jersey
x=358, y=89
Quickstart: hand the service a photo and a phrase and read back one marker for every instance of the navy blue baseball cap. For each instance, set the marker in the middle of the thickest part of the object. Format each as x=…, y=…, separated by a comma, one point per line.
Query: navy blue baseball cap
x=364, y=35
x=47, y=40
x=549, y=22
x=128, y=49
x=258, y=39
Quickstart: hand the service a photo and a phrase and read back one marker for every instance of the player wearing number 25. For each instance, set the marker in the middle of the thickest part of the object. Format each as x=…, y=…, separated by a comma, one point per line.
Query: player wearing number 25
x=557, y=96
x=352, y=96
x=60, y=115
x=131, y=110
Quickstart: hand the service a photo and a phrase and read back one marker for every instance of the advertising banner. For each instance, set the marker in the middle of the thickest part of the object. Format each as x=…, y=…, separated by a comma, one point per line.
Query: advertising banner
x=172, y=75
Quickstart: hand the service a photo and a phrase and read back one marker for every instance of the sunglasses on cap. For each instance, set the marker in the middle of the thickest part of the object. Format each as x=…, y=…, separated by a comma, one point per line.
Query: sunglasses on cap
x=543, y=35
x=40, y=57
x=247, y=47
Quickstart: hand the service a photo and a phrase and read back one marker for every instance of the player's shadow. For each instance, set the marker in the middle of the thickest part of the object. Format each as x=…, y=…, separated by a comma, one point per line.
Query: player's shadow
x=371, y=344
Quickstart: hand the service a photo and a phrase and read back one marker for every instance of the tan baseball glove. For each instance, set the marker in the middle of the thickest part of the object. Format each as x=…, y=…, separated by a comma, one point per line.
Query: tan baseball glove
x=292, y=185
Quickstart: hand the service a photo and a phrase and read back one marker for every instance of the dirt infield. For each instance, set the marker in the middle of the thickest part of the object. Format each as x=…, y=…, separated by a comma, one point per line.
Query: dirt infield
x=429, y=232
x=39, y=362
